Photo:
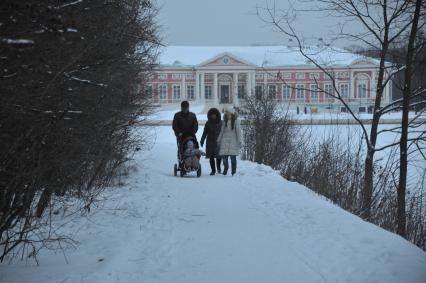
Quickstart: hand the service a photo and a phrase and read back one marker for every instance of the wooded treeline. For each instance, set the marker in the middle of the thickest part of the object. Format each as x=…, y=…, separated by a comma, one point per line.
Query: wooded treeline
x=72, y=82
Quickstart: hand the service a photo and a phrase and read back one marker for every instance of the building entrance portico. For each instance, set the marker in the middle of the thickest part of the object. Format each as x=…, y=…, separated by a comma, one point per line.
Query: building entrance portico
x=225, y=83
x=224, y=94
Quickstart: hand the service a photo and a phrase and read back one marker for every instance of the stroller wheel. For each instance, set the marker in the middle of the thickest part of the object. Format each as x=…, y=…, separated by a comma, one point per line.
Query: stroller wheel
x=199, y=172
x=175, y=170
x=182, y=172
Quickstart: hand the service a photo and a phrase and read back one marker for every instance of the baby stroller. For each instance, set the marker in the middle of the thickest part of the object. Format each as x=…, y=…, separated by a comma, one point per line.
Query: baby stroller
x=181, y=143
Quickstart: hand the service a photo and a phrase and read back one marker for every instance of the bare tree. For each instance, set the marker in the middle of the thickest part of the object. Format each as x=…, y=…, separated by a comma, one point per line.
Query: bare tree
x=268, y=130
x=383, y=24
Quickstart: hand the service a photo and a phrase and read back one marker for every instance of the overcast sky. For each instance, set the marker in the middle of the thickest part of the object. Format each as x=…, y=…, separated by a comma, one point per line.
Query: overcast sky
x=229, y=22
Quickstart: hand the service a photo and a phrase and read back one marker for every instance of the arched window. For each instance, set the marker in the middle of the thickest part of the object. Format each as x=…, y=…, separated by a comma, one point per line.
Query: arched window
x=362, y=89
x=362, y=86
x=162, y=89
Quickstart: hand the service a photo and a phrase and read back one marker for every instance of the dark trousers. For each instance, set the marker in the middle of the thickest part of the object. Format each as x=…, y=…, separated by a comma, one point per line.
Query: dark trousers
x=213, y=166
x=233, y=163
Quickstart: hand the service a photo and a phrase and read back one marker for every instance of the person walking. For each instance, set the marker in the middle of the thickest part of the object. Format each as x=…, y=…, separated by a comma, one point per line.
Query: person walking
x=184, y=124
x=229, y=140
x=184, y=121
x=211, y=132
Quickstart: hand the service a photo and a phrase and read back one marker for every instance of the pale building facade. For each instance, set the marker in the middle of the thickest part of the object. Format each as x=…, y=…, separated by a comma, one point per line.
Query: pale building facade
x=224, y=78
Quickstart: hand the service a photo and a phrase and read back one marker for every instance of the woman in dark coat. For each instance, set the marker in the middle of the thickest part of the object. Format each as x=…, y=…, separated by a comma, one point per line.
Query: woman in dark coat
x=211, y=132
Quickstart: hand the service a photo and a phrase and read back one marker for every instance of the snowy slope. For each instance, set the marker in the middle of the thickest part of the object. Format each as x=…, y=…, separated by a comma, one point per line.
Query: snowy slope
x=253, y=227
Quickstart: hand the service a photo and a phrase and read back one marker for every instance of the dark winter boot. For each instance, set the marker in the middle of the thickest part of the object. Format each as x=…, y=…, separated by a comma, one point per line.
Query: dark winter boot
x=212, y=166
x=225, y=165
x=218, y=161
x=234, y=165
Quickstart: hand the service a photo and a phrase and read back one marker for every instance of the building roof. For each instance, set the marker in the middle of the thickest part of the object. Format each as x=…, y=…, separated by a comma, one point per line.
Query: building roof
x=260, y=56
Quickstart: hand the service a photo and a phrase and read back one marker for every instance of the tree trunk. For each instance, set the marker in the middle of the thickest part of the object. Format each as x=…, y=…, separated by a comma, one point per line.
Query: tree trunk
x=369, y=160
x=403, y=162
x=371, y=143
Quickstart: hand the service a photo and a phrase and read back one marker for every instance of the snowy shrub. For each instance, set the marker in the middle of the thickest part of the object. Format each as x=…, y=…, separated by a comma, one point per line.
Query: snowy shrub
x=335, y=169
x=331, y=165
x=268, y=131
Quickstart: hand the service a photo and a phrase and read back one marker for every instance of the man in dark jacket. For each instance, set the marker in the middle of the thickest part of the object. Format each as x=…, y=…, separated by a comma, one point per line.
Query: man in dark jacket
x=184, y=121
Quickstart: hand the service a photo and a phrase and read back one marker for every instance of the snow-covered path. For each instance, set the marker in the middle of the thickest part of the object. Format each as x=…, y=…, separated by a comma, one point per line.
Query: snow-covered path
x=253, y=227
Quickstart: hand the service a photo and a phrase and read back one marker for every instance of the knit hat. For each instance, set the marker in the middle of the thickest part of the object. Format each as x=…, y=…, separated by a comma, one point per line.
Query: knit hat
x=190, y=143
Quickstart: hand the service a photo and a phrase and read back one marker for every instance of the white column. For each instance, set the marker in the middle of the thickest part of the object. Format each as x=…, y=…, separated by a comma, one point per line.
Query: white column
x=265, y=84
x=202, y=86
x=197, y=85
x=248, y=84
x=215, y=95
x=183, y=86
x=372, y=89
x=235, y=90
x=336, y=82
x=351, y=84
x=253, y=82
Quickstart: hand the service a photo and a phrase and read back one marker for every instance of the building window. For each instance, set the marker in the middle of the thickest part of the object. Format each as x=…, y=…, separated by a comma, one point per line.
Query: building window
x=300, y=76
x=344, y=90
x=328, y=89
x=162, y=76
x=162, y=90
x=362, y=89
x=286, y=75
x=208, y=92
x=300, y=92
x=343, y=75
x=259, y=76
x=190, y=76
x=176, y=92
x=328, y=92
x=241, y=91
x=314, y=92
x=176, y=76
x=190, y=92
x=272, y=76
x=314, y=76
x=258, y=91
x=272, y=91
x=286, y=92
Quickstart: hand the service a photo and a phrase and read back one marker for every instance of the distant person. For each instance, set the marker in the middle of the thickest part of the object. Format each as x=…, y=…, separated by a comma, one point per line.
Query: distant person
x=211, y=132
x=185, y=121
x=229, y=140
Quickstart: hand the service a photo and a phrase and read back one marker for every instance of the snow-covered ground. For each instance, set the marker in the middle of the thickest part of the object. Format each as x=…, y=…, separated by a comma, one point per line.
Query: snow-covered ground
x=253, y=227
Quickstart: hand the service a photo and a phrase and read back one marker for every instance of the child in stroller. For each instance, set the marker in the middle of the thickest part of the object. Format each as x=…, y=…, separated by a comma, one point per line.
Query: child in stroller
x=191, y=156
x=188, y=155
